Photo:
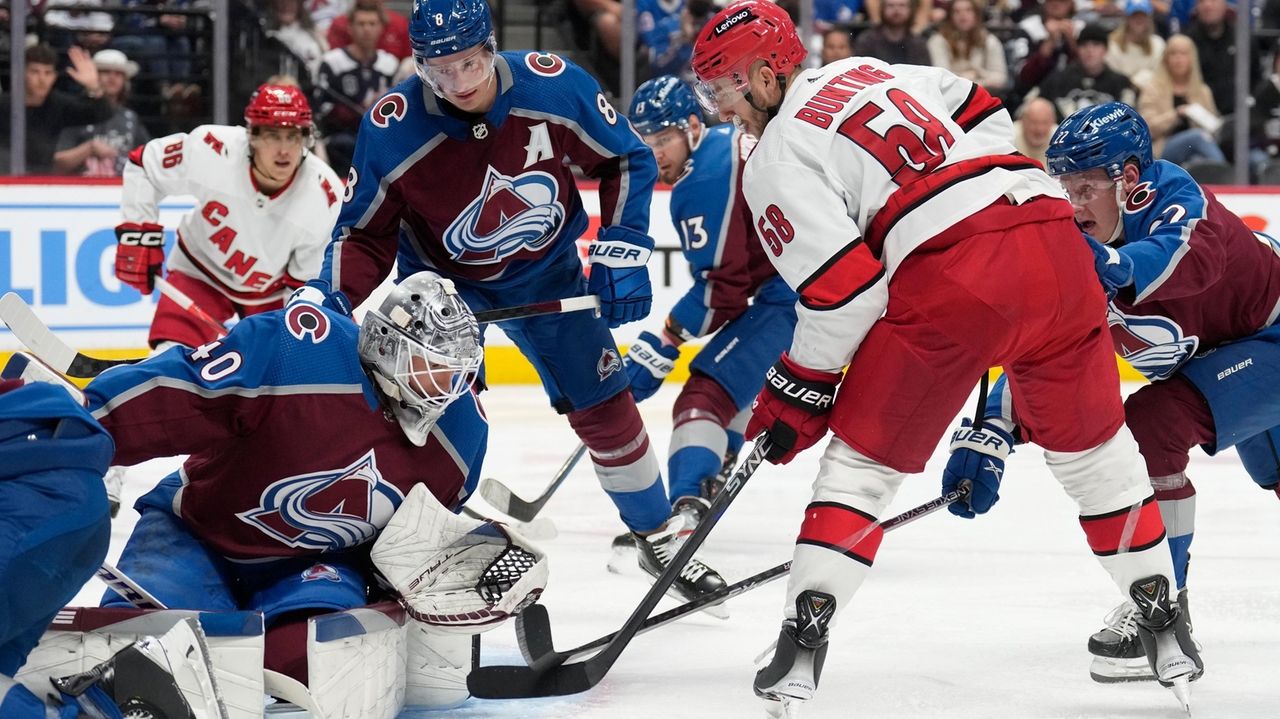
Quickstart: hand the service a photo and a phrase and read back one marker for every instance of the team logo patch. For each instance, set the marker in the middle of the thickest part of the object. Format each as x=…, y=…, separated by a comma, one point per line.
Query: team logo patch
x=318, y=572
x=306, y=322
x=511, y=215
x=1154, y=345
x=329, y=510
x=1140, y=199
x=608, y=363
x=390, y=107
x=544, y=63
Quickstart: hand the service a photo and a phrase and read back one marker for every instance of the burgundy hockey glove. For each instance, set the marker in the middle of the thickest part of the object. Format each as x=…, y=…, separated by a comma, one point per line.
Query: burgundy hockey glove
x=793, y=408
x=139, y=254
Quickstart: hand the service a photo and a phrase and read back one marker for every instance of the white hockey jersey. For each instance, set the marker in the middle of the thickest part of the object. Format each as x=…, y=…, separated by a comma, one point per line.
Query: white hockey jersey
x=252, y=246
x=864, y=162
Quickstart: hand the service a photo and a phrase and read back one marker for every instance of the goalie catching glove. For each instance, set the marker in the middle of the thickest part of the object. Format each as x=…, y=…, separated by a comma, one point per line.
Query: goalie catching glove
x=454, y=572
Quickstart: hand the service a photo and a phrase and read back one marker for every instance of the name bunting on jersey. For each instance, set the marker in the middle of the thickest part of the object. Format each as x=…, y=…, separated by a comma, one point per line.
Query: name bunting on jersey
x=511, y=215
x=820, y=109
x=329, y=510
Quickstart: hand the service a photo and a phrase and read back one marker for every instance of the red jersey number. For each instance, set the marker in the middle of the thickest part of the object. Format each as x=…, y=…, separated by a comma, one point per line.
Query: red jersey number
x=775, y=229
x=906, y=155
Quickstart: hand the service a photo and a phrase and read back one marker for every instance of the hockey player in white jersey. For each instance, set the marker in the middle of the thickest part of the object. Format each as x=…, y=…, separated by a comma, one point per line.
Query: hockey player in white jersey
x=264, y=209
x=924, y=251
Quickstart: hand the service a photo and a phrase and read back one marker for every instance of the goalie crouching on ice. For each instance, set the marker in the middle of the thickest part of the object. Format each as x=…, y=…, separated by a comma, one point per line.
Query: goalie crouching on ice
x=324, y=460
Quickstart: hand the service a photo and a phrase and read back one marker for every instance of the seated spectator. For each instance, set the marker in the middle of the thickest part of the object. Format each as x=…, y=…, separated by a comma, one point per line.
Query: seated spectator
x=667, y=29
x=50, y=111
x=1179, y=108
x=1213, y=33
x=1052, y=35
x=893, y=40
x=963, y=46
x=1134, y=49
x=1264, y=121
x=160, y=46
x=289, y=23
x=394, y=38
x=101, y=149
x=1087, y=81
x=351, y=79
x=1034, y=127
x=921, y=14
x=829, y=13
x=1099, y=11
x=88, y=30
x=324, y=12
x=837, y=44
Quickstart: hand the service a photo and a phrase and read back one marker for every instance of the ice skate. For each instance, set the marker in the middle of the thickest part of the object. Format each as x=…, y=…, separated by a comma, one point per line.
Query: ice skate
x=114, y=481
x=623, y=556
x=791, y=677
x=1166, y=638
x=166, y=677
x=1117, y=652
x=695, y=580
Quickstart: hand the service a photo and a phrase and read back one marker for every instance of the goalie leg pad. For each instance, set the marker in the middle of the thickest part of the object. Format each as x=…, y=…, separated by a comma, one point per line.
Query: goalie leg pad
x=356, y=663
x=454, y=572
x=438, y=665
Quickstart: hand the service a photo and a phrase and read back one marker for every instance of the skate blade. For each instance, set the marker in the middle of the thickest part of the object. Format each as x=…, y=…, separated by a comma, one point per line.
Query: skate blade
x=623, y=561
x=1106, y=670
x=781, y=707
x=1181, y=688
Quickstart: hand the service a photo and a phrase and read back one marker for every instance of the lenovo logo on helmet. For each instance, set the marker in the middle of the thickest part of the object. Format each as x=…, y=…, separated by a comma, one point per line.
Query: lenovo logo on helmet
x=734, y=19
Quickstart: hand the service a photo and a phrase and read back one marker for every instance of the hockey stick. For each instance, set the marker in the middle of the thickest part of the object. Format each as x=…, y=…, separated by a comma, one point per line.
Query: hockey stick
x=185, y=302
x=550, y=307
x=552, y=677
x=540, y=530
x=533, y=625
x=501, y=498
x=44, y=344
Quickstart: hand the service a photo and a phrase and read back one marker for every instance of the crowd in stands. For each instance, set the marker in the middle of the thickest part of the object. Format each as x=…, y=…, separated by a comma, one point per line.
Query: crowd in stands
x=99, y=83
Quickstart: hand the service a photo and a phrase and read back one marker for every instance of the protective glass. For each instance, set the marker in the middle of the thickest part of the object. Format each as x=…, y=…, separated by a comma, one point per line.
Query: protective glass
x=664, y=139
x=461, y=75
x=1083, y=188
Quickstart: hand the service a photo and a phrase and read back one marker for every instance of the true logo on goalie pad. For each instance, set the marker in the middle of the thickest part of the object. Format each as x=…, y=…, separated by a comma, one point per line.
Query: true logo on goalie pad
x=329, y=510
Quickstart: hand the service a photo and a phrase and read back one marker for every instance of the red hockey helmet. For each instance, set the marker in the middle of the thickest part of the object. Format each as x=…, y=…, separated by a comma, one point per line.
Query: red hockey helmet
x=733, y=40
x=278, y=106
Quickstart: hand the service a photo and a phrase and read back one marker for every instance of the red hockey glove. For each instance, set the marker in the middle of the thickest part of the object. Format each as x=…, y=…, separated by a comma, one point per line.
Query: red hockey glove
x=793, y=408
x=139, y=254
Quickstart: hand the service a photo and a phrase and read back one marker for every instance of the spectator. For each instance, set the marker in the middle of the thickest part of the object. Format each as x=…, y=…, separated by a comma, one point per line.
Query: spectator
x=830, y=13
x=1264, y=121
x=963, y=46
x=351, y=79
x=604, y=17
x=920, y=14
x=667, y=29
x=324, y=12
x=1213, y=33
x=161, y=46
x=1100, y=11
x=101, y=149
x=290, y=24
x=1052, y=34
x=1087, y=81
x=893, y=39
x=1034, y=128
x=49, y=110
x=394, y=38
x=1134, y=49
x=1179, y=107
x=837, y=44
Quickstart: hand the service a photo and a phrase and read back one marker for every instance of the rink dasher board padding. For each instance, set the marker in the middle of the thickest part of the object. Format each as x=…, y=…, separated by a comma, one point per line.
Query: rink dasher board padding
x=356, y=659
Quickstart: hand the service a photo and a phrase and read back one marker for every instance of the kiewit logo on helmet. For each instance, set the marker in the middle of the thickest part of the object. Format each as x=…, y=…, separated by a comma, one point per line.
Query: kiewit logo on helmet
x=729, y=22
x=1101, y=122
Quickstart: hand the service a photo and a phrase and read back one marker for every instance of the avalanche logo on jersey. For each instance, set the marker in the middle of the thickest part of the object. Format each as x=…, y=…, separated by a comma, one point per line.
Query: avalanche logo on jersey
x=327, y=511
x=1154, y=345
x=512, y=214
x=608, y=363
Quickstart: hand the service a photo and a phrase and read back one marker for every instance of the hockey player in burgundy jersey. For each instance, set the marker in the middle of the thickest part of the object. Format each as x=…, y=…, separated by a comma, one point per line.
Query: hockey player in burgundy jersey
x=467, y=168
x=264, y=209
x=924, y=251
x=736, y=293
x=1194, y=299
x=305, y=434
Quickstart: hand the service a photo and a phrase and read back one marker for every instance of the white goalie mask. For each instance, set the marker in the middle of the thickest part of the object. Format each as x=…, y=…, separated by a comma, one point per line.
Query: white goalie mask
x=422, y=348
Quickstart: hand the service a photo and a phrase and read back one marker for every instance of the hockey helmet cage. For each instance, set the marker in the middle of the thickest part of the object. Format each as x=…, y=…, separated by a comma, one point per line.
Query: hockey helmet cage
x=1105, y=136
x=660, y=103
x=733, y=39
x=421, y=347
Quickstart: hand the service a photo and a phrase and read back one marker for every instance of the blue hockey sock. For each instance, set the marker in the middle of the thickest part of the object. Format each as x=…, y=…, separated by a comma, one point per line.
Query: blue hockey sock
x=688, y=466
x=645, y=510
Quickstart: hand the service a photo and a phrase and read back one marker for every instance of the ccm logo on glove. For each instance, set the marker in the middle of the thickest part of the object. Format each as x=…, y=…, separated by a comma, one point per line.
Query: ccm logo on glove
x=800, y=394
x=134, y=236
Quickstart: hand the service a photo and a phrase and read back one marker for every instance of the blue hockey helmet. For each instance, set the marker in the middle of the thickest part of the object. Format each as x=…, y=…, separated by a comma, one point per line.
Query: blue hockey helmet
x=444, y=27
x=660, y=103
x=1106, y=136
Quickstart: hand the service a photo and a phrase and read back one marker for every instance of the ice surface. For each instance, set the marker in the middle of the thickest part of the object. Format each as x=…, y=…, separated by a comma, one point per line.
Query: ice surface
x=981, y=619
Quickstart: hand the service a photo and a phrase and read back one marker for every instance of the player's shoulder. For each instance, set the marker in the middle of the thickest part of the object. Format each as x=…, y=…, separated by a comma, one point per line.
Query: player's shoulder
x=339, y=61
x=714, y=158
x=305, y=341
x=398, y=124
x=324, y=189
x=544, y=80
x=217, y=142
x=1161, y=185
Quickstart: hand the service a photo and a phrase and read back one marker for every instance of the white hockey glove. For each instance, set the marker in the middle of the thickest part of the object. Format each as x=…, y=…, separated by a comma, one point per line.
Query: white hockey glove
x=454, y=572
